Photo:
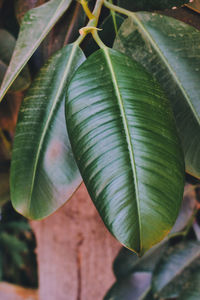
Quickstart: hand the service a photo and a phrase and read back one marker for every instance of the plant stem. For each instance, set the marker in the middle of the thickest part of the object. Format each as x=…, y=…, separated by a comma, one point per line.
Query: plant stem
x=86, y=9
x=114, y=19
x=118, y=9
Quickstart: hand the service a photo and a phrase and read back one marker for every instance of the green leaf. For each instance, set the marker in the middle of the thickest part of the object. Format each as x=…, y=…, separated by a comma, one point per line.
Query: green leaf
x=170, y=50
x=191, y=291
x=173, y=263
x=134, y=287
x=7, y=45
x=135, y=5
x=43, y=171
x=124, y=139
x=35, y=26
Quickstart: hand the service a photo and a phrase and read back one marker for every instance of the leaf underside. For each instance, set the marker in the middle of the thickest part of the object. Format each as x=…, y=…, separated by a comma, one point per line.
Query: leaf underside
x=124, y=140
x=170, y=50
x=43, y=171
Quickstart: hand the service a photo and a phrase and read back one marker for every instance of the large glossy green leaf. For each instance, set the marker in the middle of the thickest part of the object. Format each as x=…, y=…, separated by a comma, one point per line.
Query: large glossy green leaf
x=173, y=263
x=43, y=171
x=35, y=26
x=125, y=143
x=170, y=50
x=133, y=287
x=7, y=45
x=150, y=4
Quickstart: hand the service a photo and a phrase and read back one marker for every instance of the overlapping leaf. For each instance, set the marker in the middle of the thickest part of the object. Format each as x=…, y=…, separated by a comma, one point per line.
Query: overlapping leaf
x=150, y=4
x=43, y=171
x=170, y=50
x=124, y=139
x=35, y=26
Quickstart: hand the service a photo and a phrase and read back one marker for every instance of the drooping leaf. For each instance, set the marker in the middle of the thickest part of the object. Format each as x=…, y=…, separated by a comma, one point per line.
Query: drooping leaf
x=173, y=263
x=194, y=5
x=135, y=5
x=35, y=26
x=170, y=50
x=124, y=139
x=7, y=45
x=43, y=171
x=134, y=287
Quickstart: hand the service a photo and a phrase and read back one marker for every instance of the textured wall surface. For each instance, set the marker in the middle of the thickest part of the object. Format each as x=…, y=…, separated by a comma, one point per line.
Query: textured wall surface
x=75, y=252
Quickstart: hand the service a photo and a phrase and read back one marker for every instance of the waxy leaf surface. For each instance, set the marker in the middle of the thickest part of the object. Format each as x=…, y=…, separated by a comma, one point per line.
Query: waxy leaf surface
x=125, y=143
x=170, y=50
x=43, y=171
x=35, y=26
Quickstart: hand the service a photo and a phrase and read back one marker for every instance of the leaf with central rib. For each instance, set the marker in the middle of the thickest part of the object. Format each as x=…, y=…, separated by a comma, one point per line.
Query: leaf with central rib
x=125, y=143
x=170, y=50
x=43, y=171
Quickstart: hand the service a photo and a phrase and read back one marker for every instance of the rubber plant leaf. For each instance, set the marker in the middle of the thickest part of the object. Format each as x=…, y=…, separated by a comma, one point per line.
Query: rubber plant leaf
x=125, y=143
x=35, y=26
x=43, y=171
x=170, y=50
x=7, y=45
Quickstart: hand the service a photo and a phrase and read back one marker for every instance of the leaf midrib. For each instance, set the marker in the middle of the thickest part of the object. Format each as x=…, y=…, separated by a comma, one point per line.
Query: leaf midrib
x=128, y=137
x=9, y=82
x=59, y=92
x=163, y=58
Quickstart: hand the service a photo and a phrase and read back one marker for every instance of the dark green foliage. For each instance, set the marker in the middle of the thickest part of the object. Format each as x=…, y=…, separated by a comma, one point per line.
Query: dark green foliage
x=121, y=127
